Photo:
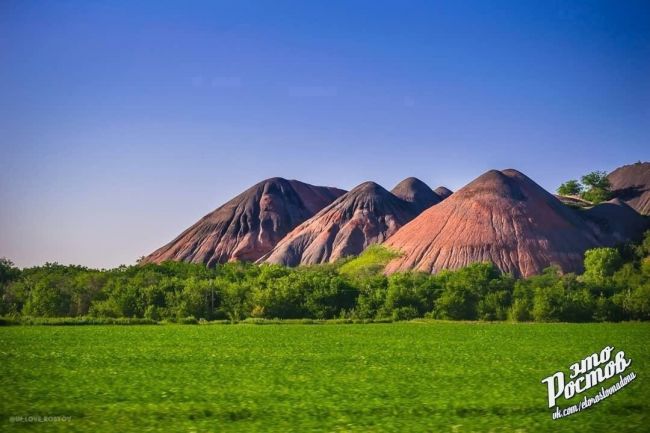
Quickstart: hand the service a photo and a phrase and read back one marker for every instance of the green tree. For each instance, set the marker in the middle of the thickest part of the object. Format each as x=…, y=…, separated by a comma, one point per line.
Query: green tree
x=8, y=274
x=637, y=302
x=494, y=305
x=128, y=301
x=237, y=302
x=522, y=303
x=283, y=297
x=47, y=300
x=463, y=289
x=372, y=297
x=578, y=305
x=328, y=295
x=600, y=265
x=195, y=299
x=570, y=187
x=643, y=249
x=548, y=303
x=597, y=187
x=607, y=310
x=548, y=295
x=596, y=179
x=414, y=290
x=87, y=285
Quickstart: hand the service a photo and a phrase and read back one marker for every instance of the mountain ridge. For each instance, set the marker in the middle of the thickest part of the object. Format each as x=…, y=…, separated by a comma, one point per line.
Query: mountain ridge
x=501, y=216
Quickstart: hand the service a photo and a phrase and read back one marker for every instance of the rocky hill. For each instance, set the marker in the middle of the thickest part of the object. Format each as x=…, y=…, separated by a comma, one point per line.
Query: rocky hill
x=615, y=222
x=249, y=225
x=631, y=184
x=502, y=217
x=443, y=192
x=366, y=215
x=417, y=193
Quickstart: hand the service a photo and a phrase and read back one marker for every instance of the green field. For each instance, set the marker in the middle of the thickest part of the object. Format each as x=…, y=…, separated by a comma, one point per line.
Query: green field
x=400, y=377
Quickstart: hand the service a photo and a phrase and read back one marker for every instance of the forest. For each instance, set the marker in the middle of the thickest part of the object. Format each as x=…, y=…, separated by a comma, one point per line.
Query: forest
x=615, y=286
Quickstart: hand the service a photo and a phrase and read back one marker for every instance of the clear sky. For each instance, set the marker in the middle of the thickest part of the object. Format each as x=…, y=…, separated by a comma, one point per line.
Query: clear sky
x=123, y=122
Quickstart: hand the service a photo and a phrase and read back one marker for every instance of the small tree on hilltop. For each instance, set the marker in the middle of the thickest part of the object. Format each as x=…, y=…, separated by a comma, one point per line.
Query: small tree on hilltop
x=597, y=187
x=570, y=187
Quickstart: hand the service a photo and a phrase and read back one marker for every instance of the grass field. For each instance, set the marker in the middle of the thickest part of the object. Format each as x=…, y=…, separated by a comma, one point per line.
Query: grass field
x=401, y=377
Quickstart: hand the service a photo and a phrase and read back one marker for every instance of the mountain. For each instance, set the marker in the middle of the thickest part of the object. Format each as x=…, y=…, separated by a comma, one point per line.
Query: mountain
x=443, y=192
x=249, y=225
x=502, y=217
x=417, y=193
x=366, y=215
x=631, y=183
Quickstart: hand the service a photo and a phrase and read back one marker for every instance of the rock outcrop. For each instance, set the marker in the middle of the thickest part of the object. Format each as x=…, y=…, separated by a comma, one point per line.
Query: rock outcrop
x=502, y=217
x=366, y=215
x=631, y=184
x=249, y=225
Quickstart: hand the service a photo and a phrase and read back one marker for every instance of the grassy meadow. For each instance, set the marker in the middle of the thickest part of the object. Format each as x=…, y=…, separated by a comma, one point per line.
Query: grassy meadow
x=399, y=377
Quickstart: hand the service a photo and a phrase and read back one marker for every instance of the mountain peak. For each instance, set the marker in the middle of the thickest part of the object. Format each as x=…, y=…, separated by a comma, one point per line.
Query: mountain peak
x=414, y=191
x=366, y=215
x=443, y=192
x=502, y=217
x=368, y=187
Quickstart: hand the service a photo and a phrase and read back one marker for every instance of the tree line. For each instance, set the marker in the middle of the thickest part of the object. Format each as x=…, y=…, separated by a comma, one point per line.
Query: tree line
x=614, y=286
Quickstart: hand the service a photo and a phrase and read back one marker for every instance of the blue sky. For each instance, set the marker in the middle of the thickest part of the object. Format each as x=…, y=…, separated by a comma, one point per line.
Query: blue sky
x=122, y=123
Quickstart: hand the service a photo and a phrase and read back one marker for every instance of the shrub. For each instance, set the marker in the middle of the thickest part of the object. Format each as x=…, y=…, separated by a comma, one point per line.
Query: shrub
x=600, y=265
x=405, y=313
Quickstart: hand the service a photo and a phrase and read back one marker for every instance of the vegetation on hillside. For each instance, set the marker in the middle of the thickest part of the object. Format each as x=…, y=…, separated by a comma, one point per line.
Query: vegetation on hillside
x=594, y=187
x=615, y=286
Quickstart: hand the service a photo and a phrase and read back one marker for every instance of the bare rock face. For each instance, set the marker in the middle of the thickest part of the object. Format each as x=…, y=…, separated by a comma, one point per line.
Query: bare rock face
x=573, y=201
x=366, y=215
x=615, y=222
x=631, y=184
x=443, y=192
x=501, y=217
x=249, y=225
x=417, y=193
